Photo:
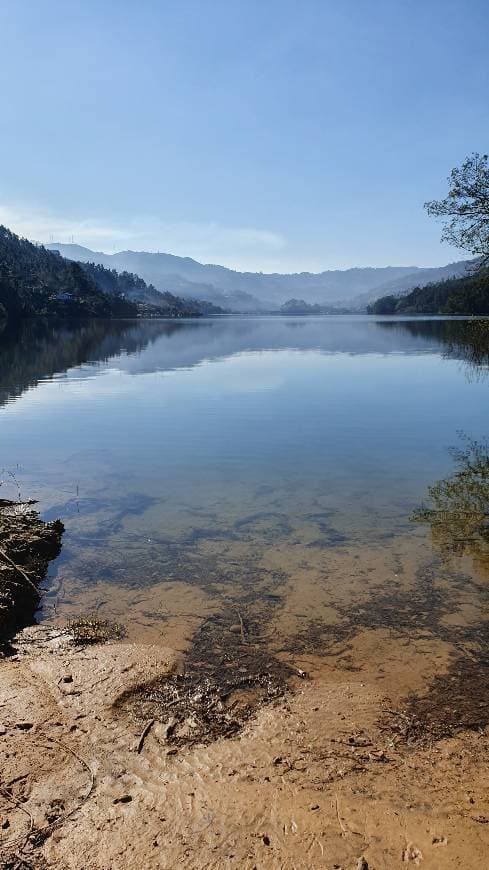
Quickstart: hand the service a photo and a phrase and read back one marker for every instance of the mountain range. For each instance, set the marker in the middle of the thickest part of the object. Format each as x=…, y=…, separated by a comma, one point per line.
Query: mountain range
x=257, y=291
x=35, y=281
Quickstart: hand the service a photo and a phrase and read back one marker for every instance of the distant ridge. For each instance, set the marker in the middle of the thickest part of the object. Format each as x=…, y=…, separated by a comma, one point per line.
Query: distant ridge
x=35, y=281
x=256, y=291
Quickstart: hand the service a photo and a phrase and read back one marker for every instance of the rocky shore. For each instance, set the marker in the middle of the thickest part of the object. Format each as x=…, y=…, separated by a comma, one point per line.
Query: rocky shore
x=27, y=545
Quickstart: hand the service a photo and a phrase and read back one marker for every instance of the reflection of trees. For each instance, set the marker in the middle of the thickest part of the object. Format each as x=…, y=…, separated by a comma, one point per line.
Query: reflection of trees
x=466, y=340
x=35, y=349
x=459, y=515
x=469, y=340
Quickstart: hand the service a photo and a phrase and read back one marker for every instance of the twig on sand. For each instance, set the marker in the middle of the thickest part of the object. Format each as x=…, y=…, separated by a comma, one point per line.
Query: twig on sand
x=85, y=764
x=397, y=713
x=243, y=638
x=44, y=830
x=344, y=830
x=147, y=728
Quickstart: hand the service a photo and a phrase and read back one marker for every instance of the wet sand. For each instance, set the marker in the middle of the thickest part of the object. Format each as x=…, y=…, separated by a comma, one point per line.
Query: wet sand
x=320, y=777
x=372, y=753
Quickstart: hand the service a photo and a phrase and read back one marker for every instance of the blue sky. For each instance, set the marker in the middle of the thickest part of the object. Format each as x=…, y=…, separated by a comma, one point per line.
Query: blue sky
x=262, y=134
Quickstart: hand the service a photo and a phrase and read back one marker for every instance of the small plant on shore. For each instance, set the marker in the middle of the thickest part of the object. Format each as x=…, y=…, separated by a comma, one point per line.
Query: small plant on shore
x=91, y=629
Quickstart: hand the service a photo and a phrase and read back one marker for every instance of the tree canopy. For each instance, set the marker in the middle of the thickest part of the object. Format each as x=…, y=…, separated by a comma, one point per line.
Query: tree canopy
x=36, y=281
x=468, y=295
x=466, y=207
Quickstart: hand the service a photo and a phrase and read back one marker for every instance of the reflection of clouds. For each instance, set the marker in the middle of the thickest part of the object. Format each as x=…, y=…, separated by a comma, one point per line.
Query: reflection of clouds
x=243, y=373
x=182, y=345
x=39, y=350
x=151, y=347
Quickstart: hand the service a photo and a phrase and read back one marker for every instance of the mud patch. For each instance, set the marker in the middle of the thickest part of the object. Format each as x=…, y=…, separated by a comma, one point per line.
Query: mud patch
x=456, y=701
x=224, y=681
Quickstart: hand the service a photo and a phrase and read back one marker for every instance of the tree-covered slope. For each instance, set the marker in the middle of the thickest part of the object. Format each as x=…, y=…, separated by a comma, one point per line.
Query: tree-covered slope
x=468, y=295
x=36, y=281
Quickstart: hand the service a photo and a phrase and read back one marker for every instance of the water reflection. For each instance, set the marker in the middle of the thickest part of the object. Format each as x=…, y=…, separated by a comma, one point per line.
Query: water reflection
x=459, y=515
x=39, y=349
x=463, y=339
x=264, y=464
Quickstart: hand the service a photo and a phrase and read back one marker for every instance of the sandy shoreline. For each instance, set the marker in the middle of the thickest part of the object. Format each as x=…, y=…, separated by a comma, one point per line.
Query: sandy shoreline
x=313, y=780
x=110, y=759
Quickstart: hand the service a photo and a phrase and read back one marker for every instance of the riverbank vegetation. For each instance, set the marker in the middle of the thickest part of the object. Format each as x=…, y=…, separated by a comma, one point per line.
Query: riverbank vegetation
x=465, y=212
x=468, y=295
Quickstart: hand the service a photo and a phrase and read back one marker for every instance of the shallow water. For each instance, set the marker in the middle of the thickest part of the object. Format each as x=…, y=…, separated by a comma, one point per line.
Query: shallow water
x=261, y=470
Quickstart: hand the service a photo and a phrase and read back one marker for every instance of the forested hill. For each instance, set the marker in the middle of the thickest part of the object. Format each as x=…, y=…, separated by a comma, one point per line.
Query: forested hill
x=36, y=281
x=149, y=300
x=468, y=295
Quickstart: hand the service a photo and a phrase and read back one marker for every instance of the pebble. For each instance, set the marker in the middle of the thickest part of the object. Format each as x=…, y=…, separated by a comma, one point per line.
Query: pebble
x=125, y=799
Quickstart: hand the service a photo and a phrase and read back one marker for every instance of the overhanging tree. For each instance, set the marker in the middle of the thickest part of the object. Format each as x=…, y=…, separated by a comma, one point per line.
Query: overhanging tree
x=466, y=207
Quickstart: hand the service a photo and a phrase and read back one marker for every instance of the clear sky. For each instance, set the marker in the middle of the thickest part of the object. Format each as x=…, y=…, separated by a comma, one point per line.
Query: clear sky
x=274, y=135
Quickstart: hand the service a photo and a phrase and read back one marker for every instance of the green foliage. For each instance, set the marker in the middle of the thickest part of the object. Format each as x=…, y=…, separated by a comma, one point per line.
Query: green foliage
x=385, y=305
x=36, y=281
x=468, y=295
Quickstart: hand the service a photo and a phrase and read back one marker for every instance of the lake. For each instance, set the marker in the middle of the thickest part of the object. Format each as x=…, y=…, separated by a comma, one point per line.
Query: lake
x=259, y=471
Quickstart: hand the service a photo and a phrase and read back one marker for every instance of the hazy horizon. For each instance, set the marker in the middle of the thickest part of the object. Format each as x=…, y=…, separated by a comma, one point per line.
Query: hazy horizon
x=461, y=257
x=262, y=137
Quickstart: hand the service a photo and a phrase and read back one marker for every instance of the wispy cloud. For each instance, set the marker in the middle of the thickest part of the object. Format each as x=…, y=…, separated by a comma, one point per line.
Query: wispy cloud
x=237, y=247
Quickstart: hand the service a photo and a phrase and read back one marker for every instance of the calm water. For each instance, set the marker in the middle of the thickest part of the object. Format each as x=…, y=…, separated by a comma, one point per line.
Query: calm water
x=204, y=464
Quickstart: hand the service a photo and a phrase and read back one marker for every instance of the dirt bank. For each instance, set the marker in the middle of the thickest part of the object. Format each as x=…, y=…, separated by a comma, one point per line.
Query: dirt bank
x=27, y=545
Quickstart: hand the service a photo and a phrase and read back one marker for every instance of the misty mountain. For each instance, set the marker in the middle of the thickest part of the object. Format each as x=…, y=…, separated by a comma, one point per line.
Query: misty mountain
x=468, y=294
x=158, y=270
x=255, y=291
x=150, y=301
x=420, y=278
